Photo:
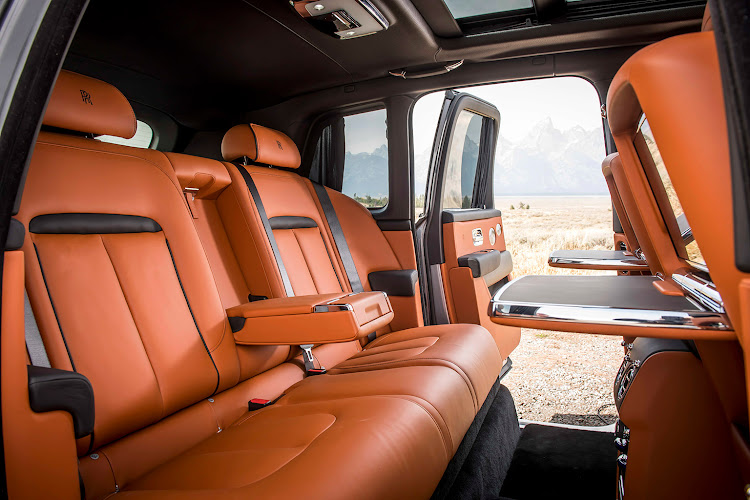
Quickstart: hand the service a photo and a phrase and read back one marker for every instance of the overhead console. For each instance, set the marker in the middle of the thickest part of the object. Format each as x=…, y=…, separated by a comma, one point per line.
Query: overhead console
x=614, y=305
x=612, y=260
x=342, y=19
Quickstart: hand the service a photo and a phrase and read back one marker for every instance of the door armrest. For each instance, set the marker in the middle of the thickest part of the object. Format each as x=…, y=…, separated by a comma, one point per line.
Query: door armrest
x=492, y=265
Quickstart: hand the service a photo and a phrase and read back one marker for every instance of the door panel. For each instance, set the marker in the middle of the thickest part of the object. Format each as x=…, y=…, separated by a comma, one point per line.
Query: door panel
x=460, y=240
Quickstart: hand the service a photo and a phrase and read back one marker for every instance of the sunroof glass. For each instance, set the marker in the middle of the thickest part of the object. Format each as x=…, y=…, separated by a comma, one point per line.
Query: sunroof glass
x=471, y=8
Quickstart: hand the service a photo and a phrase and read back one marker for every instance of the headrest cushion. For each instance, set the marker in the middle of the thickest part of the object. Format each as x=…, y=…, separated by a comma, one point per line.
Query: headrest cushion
x=261, y=145
x=85, y=104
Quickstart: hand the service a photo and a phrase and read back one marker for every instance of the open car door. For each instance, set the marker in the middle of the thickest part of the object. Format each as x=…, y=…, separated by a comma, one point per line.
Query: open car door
x=460, y=236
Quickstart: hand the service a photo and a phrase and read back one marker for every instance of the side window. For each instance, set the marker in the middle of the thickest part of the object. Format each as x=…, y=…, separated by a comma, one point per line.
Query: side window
x=462, y=162
x=366, y=158
x=666, y=197
x=142, y=138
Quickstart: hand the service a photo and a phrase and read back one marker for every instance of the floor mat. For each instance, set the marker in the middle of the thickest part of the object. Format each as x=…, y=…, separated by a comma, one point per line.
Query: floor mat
x=560, y=463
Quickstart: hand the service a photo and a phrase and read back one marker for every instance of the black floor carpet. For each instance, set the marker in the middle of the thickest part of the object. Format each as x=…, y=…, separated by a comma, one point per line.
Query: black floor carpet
x=554, y=462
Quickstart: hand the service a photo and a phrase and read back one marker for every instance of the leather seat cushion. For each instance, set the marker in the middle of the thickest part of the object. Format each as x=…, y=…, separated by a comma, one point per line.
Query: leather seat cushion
x=368, y=447
x=469, y=349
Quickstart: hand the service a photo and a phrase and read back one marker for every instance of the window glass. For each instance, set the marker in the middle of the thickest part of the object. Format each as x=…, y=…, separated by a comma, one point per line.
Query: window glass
x=366, y=159
x=469, y=8
x=141, y=139
x=461, y=168
x=669, y=203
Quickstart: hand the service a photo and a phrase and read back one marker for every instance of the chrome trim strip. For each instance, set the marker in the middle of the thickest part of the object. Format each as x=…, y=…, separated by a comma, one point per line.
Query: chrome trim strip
x=691, y=320
x=375, y=13
x=633, y=264
x=703, y=291
x=322, y=308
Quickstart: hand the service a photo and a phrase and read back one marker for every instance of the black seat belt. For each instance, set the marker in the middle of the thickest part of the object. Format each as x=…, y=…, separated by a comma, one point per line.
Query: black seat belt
x=34, y=343
x=339, y=239
x=267, y=226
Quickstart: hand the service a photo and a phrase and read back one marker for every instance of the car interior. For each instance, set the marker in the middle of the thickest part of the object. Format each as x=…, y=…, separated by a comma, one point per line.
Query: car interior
x=201, y=298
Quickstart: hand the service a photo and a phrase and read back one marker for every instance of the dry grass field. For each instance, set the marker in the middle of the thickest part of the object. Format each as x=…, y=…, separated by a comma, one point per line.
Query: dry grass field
x=554, y=223
x=560, y=377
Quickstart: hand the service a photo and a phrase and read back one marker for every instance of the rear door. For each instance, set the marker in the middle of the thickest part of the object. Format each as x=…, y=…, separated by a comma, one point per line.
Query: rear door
x=460, y=236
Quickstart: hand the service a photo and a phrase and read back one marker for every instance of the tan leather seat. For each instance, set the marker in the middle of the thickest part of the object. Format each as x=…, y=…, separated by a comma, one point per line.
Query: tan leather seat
x=124, y=294
x=314, y=265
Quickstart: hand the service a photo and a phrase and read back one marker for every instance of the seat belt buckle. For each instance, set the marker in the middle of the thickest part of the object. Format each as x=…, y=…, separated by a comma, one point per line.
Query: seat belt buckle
x=258, y=403
x=309, y=361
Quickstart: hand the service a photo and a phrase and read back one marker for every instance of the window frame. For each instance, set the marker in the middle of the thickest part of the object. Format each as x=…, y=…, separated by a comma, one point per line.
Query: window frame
x=397, y=215
x=477, y=169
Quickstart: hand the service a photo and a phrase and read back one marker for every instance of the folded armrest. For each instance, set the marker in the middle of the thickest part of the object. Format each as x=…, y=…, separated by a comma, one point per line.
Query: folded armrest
x=396, y=283
x=310, y=319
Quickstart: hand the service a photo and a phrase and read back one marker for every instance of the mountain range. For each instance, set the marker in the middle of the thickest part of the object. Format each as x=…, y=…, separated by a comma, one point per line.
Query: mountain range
x=547, y=161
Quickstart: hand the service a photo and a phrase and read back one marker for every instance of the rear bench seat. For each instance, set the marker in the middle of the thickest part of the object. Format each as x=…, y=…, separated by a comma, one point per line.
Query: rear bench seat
x=307, y=254
x=123, y=293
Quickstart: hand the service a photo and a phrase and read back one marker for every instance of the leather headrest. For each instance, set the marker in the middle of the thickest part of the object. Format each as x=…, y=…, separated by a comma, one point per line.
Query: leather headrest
x=85, y=104
x=707, y=24
x=261, y=145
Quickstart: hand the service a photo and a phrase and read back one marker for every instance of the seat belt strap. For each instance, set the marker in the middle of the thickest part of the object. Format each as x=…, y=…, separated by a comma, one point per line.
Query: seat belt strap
x=267, y=226
x=34, y=343
x=339, y=239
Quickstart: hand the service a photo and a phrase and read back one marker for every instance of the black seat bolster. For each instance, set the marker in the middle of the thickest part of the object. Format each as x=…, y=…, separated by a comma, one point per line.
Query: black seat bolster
x=397, y=282
x=51, y=389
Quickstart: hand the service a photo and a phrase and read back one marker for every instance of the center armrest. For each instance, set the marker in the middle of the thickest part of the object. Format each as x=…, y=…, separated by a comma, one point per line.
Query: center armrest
x=310, y=319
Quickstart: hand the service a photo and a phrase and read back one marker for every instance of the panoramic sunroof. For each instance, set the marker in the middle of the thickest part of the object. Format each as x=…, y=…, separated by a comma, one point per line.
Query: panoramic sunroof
x=471, y=8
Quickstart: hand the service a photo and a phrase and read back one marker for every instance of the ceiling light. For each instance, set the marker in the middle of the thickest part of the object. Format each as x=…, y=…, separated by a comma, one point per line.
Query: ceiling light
x=319, y=6
x=350, y=33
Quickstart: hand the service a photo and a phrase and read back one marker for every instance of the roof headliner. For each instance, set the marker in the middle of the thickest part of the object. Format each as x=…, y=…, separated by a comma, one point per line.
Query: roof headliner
x=208, y=63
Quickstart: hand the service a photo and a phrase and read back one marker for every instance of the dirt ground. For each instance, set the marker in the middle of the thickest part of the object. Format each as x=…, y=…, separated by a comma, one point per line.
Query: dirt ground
x=565, y=377
x=560, y=377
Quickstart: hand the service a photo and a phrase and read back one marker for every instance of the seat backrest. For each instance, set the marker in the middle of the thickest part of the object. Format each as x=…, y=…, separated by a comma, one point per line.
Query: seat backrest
x=306, y=252
x=610, y=163
x=307, y=249
x=115, y=272
x=214, y=207
x=676, y=83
